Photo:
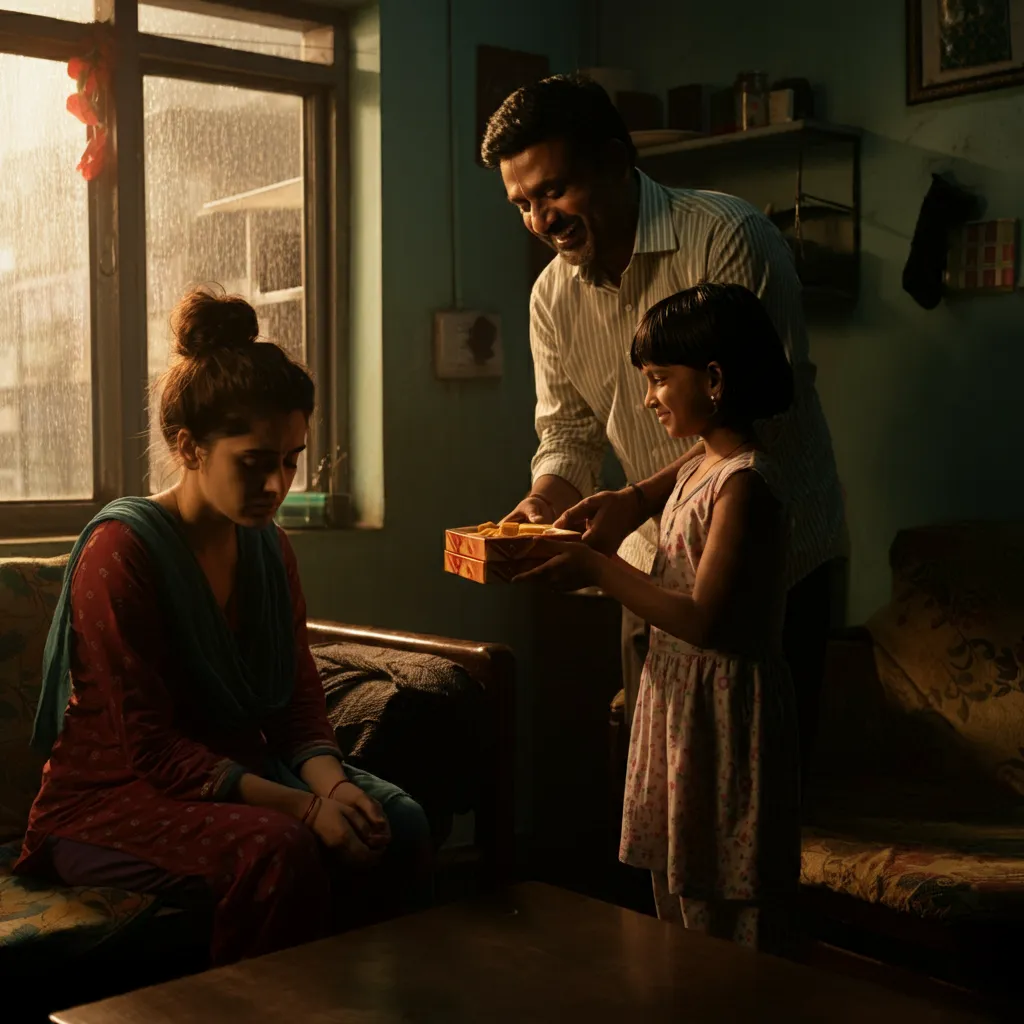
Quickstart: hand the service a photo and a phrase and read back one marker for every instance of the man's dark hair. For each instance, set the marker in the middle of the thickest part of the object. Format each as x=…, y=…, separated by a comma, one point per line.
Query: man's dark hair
x=570, y=107
x=728, y=325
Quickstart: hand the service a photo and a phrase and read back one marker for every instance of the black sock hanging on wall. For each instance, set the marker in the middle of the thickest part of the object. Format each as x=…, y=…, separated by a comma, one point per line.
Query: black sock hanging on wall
x=945, y=207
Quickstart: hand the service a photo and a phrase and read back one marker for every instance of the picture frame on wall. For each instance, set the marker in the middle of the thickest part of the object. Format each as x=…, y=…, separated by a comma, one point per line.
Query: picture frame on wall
x=957, y=47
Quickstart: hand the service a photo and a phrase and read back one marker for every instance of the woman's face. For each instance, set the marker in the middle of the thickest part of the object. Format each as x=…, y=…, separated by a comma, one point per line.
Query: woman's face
x=681, y=397
x=245, y=478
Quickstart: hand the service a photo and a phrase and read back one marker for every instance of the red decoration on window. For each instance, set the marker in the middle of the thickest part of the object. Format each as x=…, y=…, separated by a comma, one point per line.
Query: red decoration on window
x=91, y=73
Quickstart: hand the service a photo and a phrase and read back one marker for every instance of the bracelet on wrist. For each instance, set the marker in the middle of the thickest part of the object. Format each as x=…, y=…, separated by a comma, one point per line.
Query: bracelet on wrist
x=312, y=811
x=334, y=788
x=641, y=499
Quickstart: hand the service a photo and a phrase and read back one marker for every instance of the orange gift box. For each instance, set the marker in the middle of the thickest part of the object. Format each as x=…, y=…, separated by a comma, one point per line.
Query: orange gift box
x=469, y=542
x=479, y=571
x=482, y=558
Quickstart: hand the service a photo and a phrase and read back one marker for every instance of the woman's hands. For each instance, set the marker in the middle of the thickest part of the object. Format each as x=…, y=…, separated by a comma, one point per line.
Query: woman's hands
x=352, y=824
x=364, y=814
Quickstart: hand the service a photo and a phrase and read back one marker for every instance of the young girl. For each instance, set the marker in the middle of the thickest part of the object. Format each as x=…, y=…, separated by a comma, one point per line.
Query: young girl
x=711, y=805
x=190, y=753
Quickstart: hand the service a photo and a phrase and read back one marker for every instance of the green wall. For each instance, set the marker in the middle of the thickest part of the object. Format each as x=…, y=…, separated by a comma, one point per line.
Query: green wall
x=453, y=453
x=919, y=402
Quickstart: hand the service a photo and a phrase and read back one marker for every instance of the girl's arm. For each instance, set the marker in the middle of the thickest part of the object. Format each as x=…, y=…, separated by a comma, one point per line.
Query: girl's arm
x=741, y=562
x=739, y=569
x=607, y=518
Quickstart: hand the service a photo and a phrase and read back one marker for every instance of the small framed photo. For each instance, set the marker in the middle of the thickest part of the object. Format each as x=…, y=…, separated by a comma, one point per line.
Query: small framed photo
x=956, y=47
x=467, y=345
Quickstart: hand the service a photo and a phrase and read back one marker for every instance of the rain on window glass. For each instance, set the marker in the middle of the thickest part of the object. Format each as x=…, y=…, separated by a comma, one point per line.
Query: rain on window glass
x=311, y=43
x=66, y=10
x=46, y=451
x=224, y=206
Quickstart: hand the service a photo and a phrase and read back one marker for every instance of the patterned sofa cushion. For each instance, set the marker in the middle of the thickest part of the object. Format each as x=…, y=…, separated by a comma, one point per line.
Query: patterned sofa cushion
x=933, y=870
x=41, y=922
x=951, y=640
x=29, y=589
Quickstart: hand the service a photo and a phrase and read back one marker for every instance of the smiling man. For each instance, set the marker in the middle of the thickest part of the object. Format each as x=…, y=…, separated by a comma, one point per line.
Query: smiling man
x=624, y=243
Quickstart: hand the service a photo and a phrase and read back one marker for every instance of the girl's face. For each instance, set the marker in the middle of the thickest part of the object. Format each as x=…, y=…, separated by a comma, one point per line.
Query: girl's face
x=682, y=397
x=245, y=478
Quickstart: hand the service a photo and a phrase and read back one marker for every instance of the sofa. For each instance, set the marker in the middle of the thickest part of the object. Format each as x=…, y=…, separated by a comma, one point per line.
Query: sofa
x=80, y=939
x=913, y=846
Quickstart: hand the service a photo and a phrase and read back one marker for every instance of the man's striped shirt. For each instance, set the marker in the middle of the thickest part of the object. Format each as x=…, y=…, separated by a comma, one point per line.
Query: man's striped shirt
x=588, y=391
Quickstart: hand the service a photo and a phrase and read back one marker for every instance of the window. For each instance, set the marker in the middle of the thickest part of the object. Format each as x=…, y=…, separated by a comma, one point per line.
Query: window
x=232, y=112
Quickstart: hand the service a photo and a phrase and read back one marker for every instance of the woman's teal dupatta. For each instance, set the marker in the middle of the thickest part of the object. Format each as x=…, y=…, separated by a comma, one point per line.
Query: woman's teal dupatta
x=239, y=679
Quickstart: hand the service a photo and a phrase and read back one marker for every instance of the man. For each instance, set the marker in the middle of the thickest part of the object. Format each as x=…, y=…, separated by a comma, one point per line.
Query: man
x=624, y=243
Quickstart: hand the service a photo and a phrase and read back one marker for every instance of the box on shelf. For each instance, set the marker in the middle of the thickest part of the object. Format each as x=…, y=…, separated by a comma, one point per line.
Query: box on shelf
x=688, y=107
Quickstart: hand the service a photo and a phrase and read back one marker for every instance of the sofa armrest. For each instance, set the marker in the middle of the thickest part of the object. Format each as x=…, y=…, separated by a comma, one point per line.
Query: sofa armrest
x=493, y=668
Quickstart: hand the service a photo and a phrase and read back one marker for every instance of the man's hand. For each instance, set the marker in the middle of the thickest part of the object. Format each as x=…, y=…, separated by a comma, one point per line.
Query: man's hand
x=532, y=509
x=574, y=567
x=605, y=519
x=549, y=497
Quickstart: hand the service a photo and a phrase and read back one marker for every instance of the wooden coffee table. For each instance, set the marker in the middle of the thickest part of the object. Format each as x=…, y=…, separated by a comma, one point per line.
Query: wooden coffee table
x=533, y=956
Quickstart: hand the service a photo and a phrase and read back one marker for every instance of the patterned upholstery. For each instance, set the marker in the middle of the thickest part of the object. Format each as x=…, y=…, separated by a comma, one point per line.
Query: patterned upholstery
x=39, y=919
x=28, y=595
x=921, y=740
x=36, y=917
x=953, y=638
x=937, y=871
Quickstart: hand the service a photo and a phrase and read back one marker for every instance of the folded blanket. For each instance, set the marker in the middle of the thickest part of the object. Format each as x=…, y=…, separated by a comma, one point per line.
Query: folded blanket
x=413, y=719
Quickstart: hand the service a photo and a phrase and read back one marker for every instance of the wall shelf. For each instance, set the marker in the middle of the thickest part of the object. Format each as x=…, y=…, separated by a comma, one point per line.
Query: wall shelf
x=771, y=167
x=787, y=132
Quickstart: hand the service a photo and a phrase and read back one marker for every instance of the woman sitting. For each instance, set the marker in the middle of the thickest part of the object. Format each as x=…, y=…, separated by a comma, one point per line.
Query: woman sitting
x=188, y=740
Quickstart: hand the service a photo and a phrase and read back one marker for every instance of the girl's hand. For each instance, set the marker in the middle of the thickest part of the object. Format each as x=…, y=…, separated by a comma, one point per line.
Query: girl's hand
x=364, y=814
x=332, y=827
x=605, y=519
x=574, y=567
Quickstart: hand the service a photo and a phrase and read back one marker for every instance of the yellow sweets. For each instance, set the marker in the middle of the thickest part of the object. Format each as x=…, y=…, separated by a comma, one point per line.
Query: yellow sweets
x=489, y=529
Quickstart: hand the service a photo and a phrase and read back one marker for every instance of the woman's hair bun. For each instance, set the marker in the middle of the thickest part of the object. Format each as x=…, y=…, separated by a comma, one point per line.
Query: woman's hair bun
x=204, y=321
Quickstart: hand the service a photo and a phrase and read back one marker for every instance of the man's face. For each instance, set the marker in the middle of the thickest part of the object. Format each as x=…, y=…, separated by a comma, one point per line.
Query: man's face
x=564, y=202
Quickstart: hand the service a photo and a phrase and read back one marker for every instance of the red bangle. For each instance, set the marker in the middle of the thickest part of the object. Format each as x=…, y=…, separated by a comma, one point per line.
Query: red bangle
x=335, y=786
x=311, y=811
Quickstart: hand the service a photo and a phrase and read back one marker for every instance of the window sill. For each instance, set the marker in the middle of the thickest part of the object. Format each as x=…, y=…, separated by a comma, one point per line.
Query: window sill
x=314, y=510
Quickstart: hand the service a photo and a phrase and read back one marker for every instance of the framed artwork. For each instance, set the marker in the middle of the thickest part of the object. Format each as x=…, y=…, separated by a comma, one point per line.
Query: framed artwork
x=467, y=344
x=955, y=47
x=498, y=74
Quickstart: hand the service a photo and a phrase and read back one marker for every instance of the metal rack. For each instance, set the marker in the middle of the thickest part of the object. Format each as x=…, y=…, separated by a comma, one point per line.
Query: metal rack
x=823, y=231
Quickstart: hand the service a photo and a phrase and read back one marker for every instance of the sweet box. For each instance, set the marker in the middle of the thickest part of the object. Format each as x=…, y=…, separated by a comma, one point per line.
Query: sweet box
x=480, y=571
x=493, y=554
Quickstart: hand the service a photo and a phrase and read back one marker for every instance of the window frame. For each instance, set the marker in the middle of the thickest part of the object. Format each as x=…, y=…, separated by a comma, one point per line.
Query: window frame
x=117, y=220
